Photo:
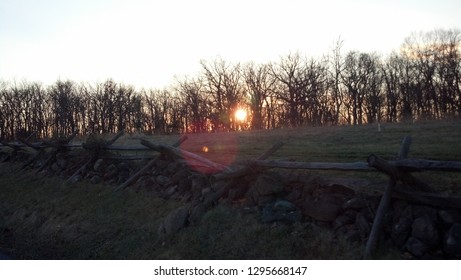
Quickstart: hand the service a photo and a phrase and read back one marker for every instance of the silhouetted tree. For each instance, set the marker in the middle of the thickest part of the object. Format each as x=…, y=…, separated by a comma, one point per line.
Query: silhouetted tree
x=195, y=104
x=222, y=83
x=260, y=88
x=291, y=73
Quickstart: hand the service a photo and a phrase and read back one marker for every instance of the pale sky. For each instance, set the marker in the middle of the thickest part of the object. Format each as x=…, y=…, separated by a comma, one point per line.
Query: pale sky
x=146, y=43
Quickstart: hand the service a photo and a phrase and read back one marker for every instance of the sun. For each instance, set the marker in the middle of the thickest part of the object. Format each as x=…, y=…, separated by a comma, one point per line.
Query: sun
x=240, y=115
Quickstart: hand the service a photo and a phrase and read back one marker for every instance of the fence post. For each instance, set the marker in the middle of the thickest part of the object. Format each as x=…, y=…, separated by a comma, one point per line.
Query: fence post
x=386, y=198
x=148, y=166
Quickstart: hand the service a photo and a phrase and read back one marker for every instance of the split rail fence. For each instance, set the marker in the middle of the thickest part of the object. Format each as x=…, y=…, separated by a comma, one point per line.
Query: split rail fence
x=399, y=170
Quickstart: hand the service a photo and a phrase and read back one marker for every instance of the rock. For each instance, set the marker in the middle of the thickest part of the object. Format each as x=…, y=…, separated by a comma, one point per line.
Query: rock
x=162, y=180
x=197, y=213
x=352, y=236
x=416, y=246
x=324, y=208
x=148, y=182
x=61, y=158
x=161, y=164
x=355, y=203
x=5, y=257
x=186, y=198
x=326, y=202
x=173, y=167
x=362, y=225
x=96, y=179
x=282, y=211
x=232, y=194
x=348, y=232
x=340, y=192
x=184, y=186
x=452, y=241
x=198, y=183
x=345, y=218
x=99, y=165
x=206, y=191
x=265, y=189
x=181, y=175
x=237, y=193
x=265, y=199
x=111, y=168
x=123, y=166
x=402, y=228
x=4, y=157
x=75, y=179
x=174, y=221
x=422, y=210
x=399, y=205
x=111, y=172
x=283, y=205
x=423, y=228
x=267, y=185
x=449, y=217
x=123, y=175
x=170, y=191
x=55, y=167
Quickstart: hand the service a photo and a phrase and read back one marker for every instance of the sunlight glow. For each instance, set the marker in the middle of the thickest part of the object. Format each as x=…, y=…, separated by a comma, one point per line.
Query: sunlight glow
x=240, y=115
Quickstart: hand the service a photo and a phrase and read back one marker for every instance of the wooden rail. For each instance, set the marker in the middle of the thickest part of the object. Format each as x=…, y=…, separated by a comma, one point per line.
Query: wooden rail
x=398, y=170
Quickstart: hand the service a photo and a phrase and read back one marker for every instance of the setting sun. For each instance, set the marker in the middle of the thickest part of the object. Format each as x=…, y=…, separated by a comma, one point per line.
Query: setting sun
x=240, y=115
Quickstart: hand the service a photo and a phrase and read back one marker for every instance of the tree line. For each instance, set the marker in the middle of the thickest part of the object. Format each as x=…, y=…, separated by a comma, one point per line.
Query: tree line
x=421, y=81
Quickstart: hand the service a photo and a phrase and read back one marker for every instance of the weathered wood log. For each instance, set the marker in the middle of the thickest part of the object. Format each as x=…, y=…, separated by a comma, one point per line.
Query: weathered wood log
x=176, y=153
x=404, y=147
x=115, y=138
x=96, y=144
x=34, y=146
x=60, y=143
x=377, y=222
x=355, y=166
x=31, y=160
x=398, y=174
x=432, y=199
x=127, y=157
x=423, y=164
x=48, y=161
x=249, y=166
x=271, y=150
x=13, y=145
x=394, y=174
x=126, y=148
x=30, y=136
x=92, y=159
x=147, y=167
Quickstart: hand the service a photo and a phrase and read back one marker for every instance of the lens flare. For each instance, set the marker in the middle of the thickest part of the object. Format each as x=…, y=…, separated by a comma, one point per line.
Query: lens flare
x=219, y=147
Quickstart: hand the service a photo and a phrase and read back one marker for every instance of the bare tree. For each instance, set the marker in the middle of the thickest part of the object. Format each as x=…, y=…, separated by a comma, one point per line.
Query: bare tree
x=260, y=86
x=223, y=84
x=291, y=73
x=337, y=92
x=361, y=78
x=195, y=104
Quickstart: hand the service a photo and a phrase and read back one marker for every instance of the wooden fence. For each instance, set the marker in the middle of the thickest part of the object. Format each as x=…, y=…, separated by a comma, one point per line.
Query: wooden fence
x=399, y=170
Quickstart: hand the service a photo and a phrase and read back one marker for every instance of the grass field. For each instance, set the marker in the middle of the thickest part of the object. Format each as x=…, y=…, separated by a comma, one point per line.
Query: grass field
x=40, y=218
